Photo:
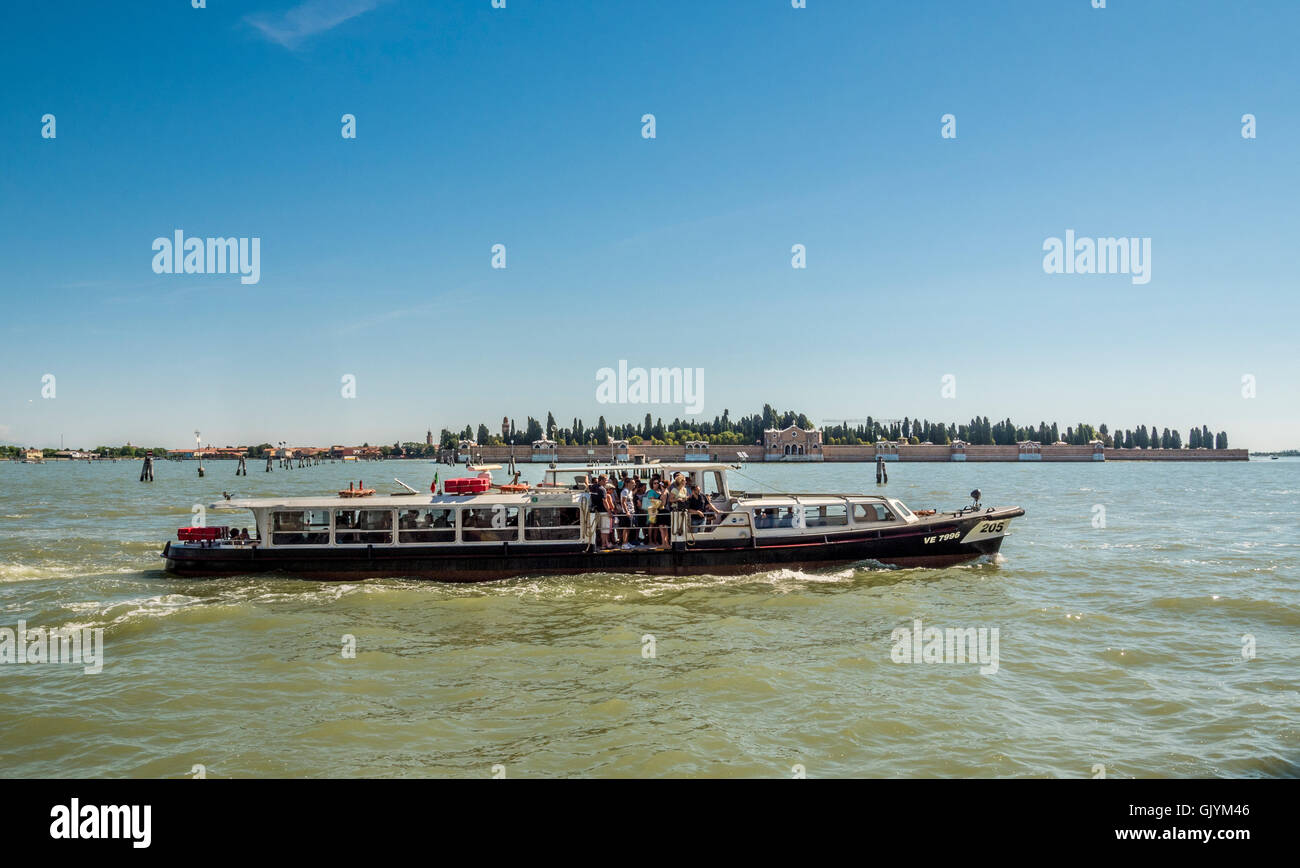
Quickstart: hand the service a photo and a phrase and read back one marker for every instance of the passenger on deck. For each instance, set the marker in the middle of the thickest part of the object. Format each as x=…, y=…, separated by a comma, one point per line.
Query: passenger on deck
x=600, y=506
x=678, y=493
x=640, y=533
x=626, y=510
x=651, y=502
x=700, y=507
x=676, y=498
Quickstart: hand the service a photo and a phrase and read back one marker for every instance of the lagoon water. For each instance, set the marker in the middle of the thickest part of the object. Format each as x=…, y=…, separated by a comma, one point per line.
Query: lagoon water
x=1119, y=646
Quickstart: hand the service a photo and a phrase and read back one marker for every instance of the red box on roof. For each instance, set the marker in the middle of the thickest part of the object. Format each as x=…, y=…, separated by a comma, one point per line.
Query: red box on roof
x=466, y=485
x=194, y=534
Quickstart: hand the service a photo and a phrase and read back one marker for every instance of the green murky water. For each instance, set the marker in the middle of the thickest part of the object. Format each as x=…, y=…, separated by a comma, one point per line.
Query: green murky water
x=1120, y=646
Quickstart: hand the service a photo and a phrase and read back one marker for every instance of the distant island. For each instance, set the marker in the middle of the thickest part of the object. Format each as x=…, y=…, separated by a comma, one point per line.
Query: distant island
x=724, y=430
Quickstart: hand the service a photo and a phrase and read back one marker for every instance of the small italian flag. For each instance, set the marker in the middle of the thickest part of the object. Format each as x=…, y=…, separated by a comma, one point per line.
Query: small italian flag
x=433, y=489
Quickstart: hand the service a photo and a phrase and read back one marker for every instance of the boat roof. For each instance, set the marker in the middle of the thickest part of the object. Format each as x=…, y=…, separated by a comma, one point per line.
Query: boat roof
x=400, y=501
x=619, y=466
x=818, y=499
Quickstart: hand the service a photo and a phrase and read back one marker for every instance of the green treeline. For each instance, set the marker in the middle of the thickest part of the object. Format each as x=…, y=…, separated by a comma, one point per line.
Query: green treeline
x=726, y=430
x=105, y=451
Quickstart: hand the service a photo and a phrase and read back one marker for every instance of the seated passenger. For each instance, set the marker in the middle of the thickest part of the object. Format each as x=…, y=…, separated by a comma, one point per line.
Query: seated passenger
x=700, y=507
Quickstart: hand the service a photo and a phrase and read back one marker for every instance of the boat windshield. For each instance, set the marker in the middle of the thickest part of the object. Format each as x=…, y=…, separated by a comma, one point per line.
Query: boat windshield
x=900, y=509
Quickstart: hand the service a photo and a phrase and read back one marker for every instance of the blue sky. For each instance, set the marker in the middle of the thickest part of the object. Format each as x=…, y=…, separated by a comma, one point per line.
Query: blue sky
x=774, y=126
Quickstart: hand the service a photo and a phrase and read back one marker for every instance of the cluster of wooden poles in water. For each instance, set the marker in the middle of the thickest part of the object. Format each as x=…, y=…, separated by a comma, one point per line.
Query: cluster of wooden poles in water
x=146, y=470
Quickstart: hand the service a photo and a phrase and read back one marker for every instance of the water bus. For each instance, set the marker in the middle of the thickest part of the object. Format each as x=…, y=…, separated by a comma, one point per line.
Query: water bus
x=471, y=530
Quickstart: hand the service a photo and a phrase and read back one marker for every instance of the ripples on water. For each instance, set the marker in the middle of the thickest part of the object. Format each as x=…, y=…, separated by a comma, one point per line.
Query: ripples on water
x=1119, y=646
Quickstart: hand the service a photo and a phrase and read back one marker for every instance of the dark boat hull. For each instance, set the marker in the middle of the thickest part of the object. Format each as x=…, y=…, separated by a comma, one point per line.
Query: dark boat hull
x=917, y=545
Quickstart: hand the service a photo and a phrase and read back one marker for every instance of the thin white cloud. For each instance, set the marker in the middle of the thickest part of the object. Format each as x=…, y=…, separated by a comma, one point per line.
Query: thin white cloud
x=308, y=19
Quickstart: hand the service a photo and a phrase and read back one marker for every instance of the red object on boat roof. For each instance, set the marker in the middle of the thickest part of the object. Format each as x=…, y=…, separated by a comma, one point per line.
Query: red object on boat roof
x=466, y=485
x=194, y=534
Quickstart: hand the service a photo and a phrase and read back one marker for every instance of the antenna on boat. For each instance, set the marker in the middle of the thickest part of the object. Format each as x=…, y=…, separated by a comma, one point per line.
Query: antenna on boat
x=404, y=485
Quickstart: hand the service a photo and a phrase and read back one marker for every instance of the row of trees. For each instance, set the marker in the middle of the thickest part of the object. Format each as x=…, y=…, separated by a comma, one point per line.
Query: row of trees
x=1197, y=438
x=105, y=451
x=725, y=430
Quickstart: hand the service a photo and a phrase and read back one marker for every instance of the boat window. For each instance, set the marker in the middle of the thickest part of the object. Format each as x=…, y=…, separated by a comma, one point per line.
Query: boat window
x=426, y=525
x=712, y=483
x=363, y=527
x=490, y=524
x=552, y=523
x=300, y=527
x=774, y=518
x=827, y=515
x=902, y=510
x=871, y=512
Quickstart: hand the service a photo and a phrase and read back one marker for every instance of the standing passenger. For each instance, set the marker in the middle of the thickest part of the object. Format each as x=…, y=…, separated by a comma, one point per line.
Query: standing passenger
x=599, y=507
x=639, y=515
x=627, y=511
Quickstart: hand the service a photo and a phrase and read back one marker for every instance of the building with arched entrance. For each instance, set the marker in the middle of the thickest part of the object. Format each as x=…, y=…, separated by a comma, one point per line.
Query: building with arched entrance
x=792, y=444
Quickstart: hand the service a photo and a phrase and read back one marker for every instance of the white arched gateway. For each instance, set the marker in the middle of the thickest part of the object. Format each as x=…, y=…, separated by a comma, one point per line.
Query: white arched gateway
x=696, y=450
x=545, y=451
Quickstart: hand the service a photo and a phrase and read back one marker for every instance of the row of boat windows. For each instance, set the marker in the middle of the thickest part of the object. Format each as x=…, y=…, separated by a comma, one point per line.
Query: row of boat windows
x=496, y=523
x=827, y=515
x=500, y=523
